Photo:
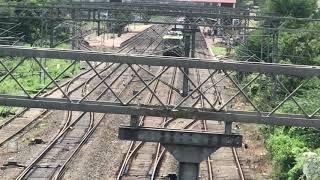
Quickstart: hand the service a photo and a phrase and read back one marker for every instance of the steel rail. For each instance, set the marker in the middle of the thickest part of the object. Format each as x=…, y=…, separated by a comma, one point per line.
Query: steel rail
x=26, y=172
x=68, y=84
x=42, y=114
x=69, y=116
x=61, y=135
x=67, y=124
x=237, y=161
x=63, y=167
x=204, y=123
x=132, y=148
x=159, y=152
x=46, y=94
x=162, y=151
x=203, y=45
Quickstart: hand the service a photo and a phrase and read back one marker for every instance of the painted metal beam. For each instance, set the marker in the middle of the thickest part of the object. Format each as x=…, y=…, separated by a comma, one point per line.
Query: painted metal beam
x=252, y=67
x=149, y=110
x=179, y=137
x=157, y=8
x=97, y=12
x=113, y=20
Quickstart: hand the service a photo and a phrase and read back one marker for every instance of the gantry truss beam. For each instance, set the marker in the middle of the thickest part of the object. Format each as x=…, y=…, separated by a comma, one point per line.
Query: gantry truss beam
x=226, y=64
x=118, y=12
x=8, y=36
x=129, y=65
x=179, y=137
x=149, y=110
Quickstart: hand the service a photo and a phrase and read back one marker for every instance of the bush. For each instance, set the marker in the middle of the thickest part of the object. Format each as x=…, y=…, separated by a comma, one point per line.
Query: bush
x=285, y=151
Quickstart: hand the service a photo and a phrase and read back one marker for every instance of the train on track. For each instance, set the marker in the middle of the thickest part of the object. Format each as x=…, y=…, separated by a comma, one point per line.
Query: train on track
x=173, y=44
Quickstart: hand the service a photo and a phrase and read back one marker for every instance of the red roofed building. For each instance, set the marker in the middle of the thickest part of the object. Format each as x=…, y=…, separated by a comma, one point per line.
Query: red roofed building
x=216, y=1
x=228, y=3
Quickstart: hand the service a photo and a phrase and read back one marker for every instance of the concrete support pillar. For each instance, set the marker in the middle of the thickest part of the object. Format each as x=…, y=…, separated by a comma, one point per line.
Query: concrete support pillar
x=189, y=158
x=193, y=42
x=187, y=44
x=188, y=147
x=134, y=119
x=228, y=127
x=188, y=171
x=185, y=85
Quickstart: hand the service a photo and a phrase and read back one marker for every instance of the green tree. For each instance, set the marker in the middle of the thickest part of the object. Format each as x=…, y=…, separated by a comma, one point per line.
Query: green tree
x=293, y=8
x=286, y=144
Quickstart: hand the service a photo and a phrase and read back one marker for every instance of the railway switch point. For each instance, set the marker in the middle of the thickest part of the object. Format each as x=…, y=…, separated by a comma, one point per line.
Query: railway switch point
x=188, y=147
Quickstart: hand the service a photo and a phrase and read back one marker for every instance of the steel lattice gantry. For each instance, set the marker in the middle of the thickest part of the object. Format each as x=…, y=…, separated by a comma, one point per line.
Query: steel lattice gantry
x=98, y=12
x=126, y=105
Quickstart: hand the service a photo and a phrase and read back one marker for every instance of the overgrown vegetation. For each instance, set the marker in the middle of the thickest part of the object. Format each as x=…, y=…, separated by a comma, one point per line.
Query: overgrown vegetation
x=31, y=77
x=29, y=74
x=217, y=51
x=286, y=144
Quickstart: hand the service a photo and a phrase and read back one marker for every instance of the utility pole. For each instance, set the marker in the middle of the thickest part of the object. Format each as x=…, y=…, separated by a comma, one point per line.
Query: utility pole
x=98, y=30
x=185, y=85
x=274, y=46
x=187, y=31
x=193, y=41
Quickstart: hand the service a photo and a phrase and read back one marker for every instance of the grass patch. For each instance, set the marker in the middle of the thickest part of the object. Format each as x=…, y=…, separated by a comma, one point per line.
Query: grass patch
x=157, y=18
x=218, y=51
x=63, y=46
x=31, y=77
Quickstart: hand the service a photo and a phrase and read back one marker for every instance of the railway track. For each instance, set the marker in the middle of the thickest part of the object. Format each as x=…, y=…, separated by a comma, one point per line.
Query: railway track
x=144, y=160
x=23, y=119
x=137, y=160
x=70, y=139
x=53, y=161
x=26, y=116
x=148, y=121
x=214, y=126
